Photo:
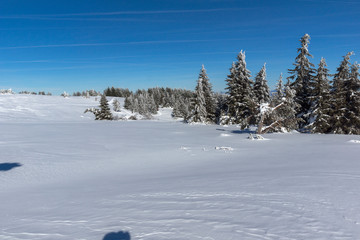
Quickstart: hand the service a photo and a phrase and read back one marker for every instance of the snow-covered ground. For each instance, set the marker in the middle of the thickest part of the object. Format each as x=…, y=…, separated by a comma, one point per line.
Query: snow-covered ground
x=65, y=176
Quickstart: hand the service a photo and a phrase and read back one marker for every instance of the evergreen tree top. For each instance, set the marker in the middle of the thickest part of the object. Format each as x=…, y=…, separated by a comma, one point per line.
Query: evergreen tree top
x=262, y=73
x=322, y=63
x=355, y=71
x=305, y=40
x=322, y=70
x=301, y=59
x=343, y=70
x=241, y=57
x=279, y=87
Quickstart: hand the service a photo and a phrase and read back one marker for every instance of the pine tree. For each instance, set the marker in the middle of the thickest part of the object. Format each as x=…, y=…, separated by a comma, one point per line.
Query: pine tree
x=199, y=114
x=261, y=88
x=338, y=91
x=241, y=104
x=321, y=108
x=302, y=75
x=105, y=113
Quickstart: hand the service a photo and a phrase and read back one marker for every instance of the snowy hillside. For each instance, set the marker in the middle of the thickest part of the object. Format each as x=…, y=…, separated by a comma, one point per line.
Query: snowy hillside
x=65, y=176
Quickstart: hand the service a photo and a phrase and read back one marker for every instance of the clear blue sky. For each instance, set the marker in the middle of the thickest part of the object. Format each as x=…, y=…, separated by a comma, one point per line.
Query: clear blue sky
x=75, y=45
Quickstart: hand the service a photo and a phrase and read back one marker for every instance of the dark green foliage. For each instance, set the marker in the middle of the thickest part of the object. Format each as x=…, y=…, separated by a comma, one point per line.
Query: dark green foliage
x=303, y=77
x=339, y=96
x=117, y=92
x=221, y=108
x=241, y=104
x=210, y=104
x=352, y=95
x=321, y=108
x=198, y=102
x=104, y=113
x=261, y=88
x=288, y=113
x=203, y=103
x=147, y=102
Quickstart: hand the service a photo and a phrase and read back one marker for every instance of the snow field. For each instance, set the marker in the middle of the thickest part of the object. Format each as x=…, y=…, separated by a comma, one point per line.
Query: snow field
x=161, y=179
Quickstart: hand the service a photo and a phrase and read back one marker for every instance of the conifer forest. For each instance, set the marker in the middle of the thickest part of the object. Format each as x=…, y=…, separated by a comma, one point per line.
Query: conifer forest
x=310, y=100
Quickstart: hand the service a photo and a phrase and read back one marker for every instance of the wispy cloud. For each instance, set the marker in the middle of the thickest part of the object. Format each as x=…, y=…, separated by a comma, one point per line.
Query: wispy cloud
x=136, y=43
x=116, y=13
x=336, y=35
x=110, y=44
x=67, y=68
x=25, y=61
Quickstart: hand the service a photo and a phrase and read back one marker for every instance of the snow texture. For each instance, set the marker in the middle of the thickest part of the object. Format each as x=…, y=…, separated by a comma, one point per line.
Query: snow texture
x=65, y=176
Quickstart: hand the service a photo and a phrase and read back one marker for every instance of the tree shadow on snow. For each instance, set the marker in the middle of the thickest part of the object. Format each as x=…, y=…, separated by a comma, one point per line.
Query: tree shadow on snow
x=245, y=131
x=117, y=236
x=8, y=166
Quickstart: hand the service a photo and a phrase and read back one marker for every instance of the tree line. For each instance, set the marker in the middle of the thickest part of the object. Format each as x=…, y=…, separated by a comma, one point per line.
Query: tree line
x=309, y=101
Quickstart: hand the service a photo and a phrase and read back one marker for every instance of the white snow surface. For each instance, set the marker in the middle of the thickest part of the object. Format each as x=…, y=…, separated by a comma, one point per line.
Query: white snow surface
x=75, y=178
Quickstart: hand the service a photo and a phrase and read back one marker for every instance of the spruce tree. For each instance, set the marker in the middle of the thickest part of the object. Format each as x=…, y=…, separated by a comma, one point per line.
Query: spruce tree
x=105, y=113
x=279, y=93
x=302, y=76
x=321, y=108
x=199, y=114
x=290, y=121
x=210, y=103
x=261, y=88
x=353, y=101
x=338, y=91
x=241, y=104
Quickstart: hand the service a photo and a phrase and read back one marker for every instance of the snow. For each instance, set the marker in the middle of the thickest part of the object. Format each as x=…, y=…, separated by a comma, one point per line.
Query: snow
x=264, y=108
x=65, y=176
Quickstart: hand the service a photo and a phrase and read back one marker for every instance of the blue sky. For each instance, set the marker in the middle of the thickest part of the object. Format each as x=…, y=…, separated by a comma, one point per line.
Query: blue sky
x=75, y=45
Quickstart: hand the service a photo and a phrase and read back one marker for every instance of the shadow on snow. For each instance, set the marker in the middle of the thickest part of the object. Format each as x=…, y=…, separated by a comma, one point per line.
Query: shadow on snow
x=8, y=166
x=117, y=236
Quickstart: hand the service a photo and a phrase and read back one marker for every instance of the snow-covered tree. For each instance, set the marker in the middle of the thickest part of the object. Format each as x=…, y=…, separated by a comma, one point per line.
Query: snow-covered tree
x=241, y=102
x=302, y=75
x=265, y=110
x=288, y=112
x=352, y=114
x=65, y=94
x=261, y=88
x=116, y=105
x=338, y=92
x=221, y=109
x=210, y=103
x=105, y=113
x=279, y=94
x=182, y=109
x=320, y=111
x=199, y=108
x=176, y=110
